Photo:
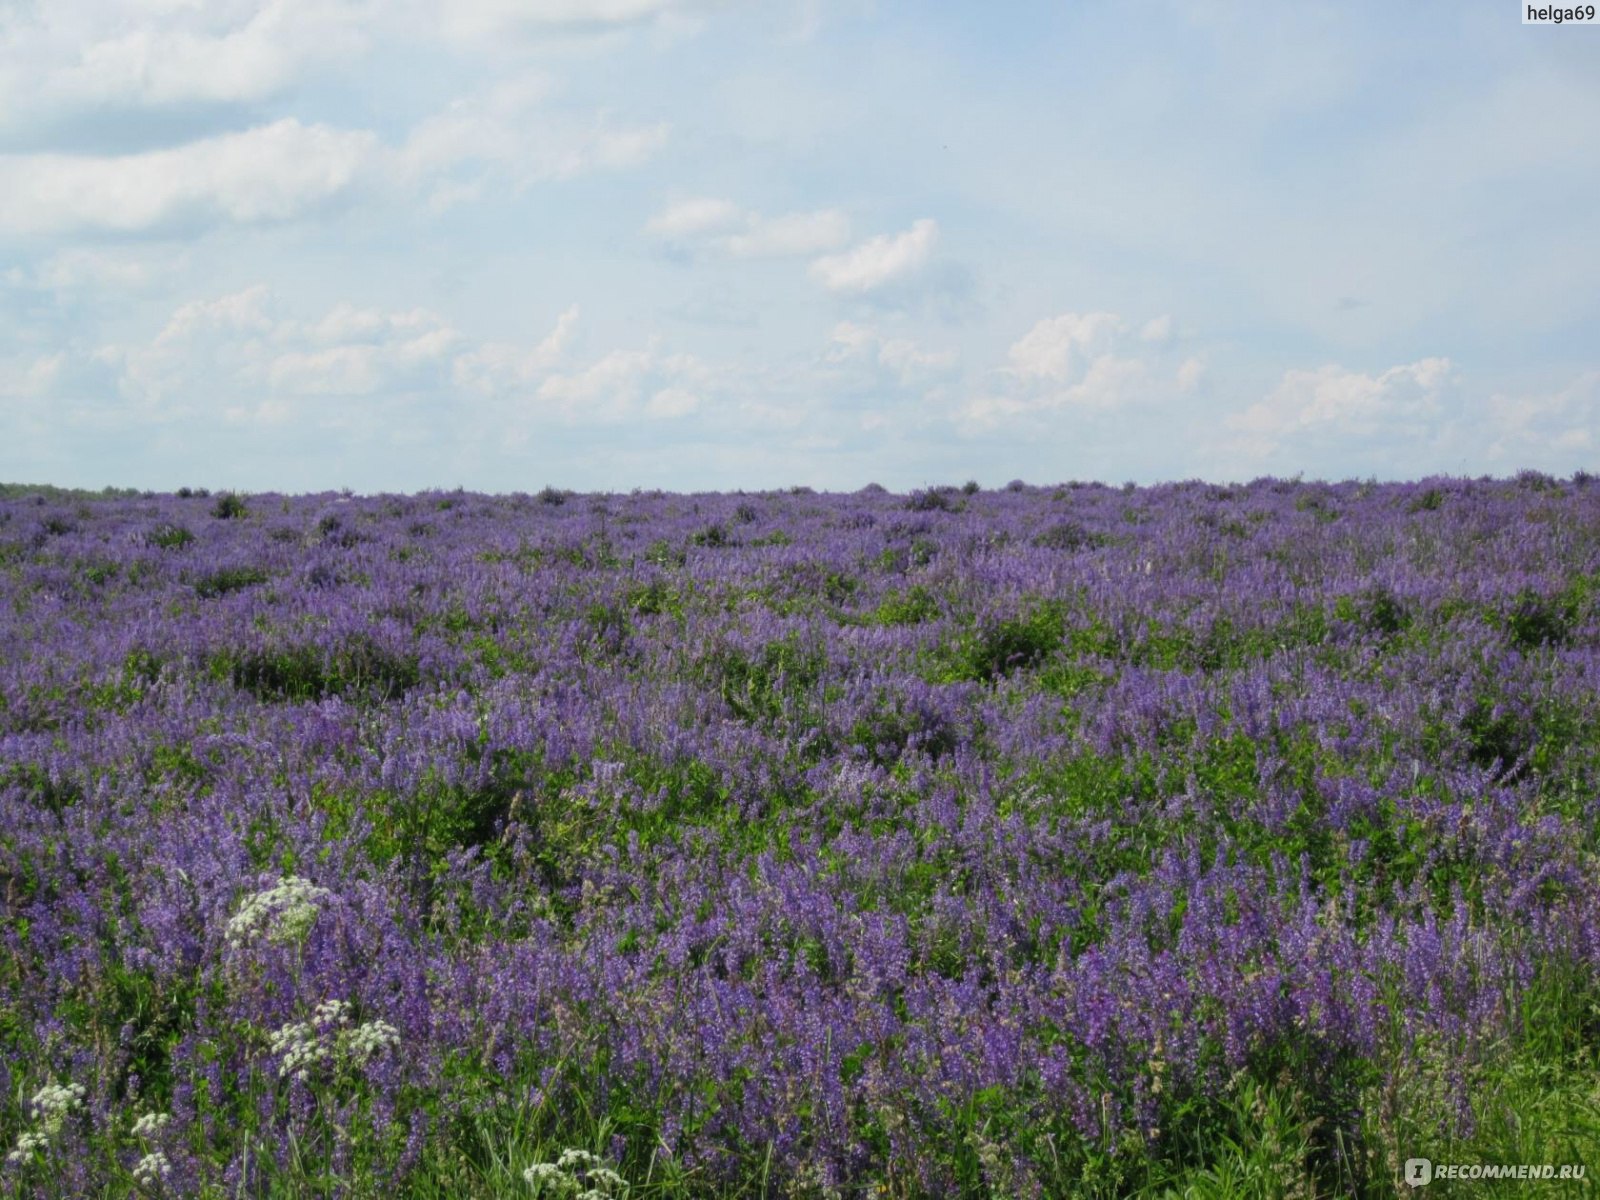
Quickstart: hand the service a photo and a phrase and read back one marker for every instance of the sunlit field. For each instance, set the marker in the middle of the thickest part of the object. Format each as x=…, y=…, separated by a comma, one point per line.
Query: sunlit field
x=1073, y=840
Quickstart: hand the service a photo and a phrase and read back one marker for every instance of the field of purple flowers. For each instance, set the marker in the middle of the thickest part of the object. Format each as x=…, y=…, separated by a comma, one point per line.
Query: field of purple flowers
x=1185, y=840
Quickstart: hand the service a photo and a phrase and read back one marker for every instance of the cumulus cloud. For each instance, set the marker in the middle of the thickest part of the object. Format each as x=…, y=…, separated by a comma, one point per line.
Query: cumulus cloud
x=242, y=348
x=497, y=18
x=696, y=218
x=1056, y=347
x=720, y=225
x=1191, y=372
x=1342, y=418
x=244, y=311
x=879, y=261
x=147, y=119
x=241, y=359
x=270, y=173
x=1157, y=329
x=31, y=378
x=1087, y=363
x=358, y=351
x=284, y=170
x=496, y=368
x=83, y=56
x=1551, y=430
x=1340, y=401
x=627, y=384
x=790, y=235
x=504, y=134
x=72, y=58
x=178, y=62
x=78, y=271
x=902, y=359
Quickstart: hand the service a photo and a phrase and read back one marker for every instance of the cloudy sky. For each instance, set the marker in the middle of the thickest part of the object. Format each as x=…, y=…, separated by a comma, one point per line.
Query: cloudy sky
x=396, y=244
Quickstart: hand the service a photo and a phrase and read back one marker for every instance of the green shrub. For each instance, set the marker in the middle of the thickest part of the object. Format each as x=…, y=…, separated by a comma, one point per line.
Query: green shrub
x=228, y=507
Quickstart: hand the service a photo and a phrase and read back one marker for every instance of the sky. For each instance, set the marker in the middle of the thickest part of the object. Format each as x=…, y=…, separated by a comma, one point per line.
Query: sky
x=390, y=245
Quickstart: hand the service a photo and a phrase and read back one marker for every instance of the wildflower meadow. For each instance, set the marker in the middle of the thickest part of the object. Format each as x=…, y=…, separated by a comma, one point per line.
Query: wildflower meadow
x=1079, y=840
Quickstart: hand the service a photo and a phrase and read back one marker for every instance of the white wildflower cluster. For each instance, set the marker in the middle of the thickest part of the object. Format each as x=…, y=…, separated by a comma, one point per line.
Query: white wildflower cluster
x=152, y=1168
x=332, y=1012
x=328, y=1038
x=51, y=1104
x=283, y=913
x=151, y=1124
x=54, y=1101
x=576, y=1174
x=31, y=1140
x=366, y=1040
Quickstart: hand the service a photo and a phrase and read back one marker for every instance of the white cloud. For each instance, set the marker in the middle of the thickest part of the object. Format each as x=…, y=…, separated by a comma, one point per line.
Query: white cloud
x=721, y=225
x=1054, y=348
x=1191, y=373
x=626, y=384
x=879, y=261
x=696, y=218
x=243, y=311
x=500, y=367
x=239, y=359
x=1553, y=430
x=270, y=173
x=1157, y=329
x=77, y=57
x=253, y=60
x=240, y=356
x=78, y=271
x=790, y=235
x=1082, y=362
x=478, y=19
x=1343, y=421
x=83, y=56
x=1340, y=401
x=360, y=351
x=31, y=379
x=672, y=402
x=505, y=133
x=903, y=359
x=283, y=170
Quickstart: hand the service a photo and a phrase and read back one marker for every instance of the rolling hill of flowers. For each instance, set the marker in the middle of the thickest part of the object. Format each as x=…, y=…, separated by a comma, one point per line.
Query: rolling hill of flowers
x=1038, y=841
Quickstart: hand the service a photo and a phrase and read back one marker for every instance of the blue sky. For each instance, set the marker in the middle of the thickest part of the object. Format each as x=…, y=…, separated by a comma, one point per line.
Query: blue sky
x=396, y=244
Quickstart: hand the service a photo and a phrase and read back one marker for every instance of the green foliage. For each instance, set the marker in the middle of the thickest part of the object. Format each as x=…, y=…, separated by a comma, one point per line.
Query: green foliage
x=713, y=537
x=1534, y=1101
x=169, y=536
x=776, y=686
x=49, y=492
x=1533, y=620
x=228, y=579
x=1377, y=611
x=1261, y=1145
x=664, y=554
x=892, y=730
x=933, y=500
x=229, y=507
x=354, y=668
x=1069, y=536
x=655, y=597
x=998, y=647
x=912, y=606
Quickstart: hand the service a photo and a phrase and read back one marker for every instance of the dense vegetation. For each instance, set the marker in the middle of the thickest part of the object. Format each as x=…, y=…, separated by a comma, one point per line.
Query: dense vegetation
x=1187, y=841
